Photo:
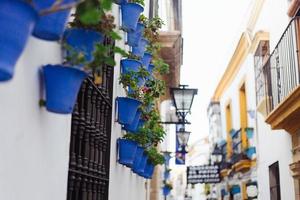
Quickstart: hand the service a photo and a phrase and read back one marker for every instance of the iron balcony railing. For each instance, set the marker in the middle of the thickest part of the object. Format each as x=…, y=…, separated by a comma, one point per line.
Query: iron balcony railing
x=225, y=165
x=281, y=70
x=237, y=157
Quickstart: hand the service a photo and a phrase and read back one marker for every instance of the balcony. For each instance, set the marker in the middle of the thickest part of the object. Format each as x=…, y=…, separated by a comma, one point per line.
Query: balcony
x=240, y=162
x=224, y=168
x=281, y=77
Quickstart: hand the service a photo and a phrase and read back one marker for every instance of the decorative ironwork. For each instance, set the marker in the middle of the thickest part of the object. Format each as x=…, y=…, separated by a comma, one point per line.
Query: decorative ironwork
x=281, y=71
x=90, y=139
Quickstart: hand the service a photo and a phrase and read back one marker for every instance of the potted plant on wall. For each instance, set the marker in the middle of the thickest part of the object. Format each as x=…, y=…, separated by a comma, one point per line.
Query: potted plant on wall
x=134, y=37
x=53, y=18
x=78, y=64
x=167, y=188
x=154, y=158
x=17, y=19
x=130, y=14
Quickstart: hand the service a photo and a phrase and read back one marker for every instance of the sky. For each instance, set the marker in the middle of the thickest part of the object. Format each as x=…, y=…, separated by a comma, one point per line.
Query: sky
x=211, y=30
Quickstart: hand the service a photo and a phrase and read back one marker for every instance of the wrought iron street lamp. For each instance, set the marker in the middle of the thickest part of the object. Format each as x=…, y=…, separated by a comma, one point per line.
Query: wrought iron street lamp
x=216, y=155
x=183, y=99
x=183, y=137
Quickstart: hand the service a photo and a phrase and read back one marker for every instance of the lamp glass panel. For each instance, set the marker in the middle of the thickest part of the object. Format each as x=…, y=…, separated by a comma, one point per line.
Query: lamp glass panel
x=183, y=138
x=183, y=99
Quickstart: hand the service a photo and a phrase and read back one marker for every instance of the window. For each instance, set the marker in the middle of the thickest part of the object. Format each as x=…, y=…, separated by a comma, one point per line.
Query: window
x=228, y=129
x=243, y=116
x=274, y=181
x=260, y=57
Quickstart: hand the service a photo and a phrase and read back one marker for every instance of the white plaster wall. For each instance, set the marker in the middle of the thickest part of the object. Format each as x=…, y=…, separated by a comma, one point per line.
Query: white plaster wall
x=34, y=150
x=273, y=19
x=123, y=183
x=273, y=145
x=245, y=74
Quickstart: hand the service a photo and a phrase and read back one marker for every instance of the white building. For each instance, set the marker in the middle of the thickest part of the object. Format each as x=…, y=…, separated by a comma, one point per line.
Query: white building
x=244, y=89
x=35, y=152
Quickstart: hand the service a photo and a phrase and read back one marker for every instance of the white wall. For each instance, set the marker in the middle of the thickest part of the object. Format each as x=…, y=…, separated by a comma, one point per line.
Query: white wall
x=245, y=74
x=273, y=145
x=34, y=149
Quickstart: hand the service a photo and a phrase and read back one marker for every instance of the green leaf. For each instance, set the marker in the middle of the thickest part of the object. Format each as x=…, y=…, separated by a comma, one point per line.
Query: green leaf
x=106, y=4
x=114, y=35
x=92, y=17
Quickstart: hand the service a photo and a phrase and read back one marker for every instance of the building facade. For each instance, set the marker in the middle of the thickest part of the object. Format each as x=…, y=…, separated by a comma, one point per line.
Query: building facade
x=263, y=78
x=38, y=149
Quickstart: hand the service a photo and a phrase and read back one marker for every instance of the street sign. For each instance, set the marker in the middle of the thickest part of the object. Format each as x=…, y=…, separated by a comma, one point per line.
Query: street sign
x=203, y=174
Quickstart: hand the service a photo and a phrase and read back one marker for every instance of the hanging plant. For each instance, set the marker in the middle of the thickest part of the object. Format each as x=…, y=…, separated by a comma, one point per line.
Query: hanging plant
x=155, y=157
x=130, y=14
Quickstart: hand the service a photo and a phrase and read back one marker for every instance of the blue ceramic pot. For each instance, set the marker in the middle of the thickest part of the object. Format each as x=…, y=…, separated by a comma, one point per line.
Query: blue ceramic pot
x=127, y=151
x=41, y=5
x=166, y=175
x=130, y=15
x=137, y=159
x=17, y=20
x=140, y=50
x=83, y=41
x=149, y=169
x=146, y=60
x=151, y=68
x=142, y=164
x=134, y=38
x=62, y=86
x=127, y=108
x=166, y=191
x=130, y=65
x=134, y=126
x=51, y=27
x=120, y=1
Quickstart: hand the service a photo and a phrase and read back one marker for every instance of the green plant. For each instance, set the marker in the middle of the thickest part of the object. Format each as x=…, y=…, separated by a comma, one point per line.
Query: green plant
x=154, y=156
x=160, y=66
x=141, y=2
x=152, y=29
x=141, y=138
x=153, y=128
x=143, y=19
x=90, y=12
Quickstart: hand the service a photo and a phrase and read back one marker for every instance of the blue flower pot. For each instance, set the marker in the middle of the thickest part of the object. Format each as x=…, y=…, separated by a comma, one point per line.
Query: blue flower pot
x=146, y=60
x=151, y=68
x=166, y=191
x=130, y=16
x=127, y=151
x=62, y=86
x=140, y=50
x=83, y=41
x=41, y=5
x=51, y=27
x=128, y=65
x=127, y=108
x=134, y=38
x=17, y=20
x=141, y=166
x=137, y=159
x=250, y=151
x=166, y=175
x=120, y=1
x=134, y=126
x=250, y=133
x=149, y=169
